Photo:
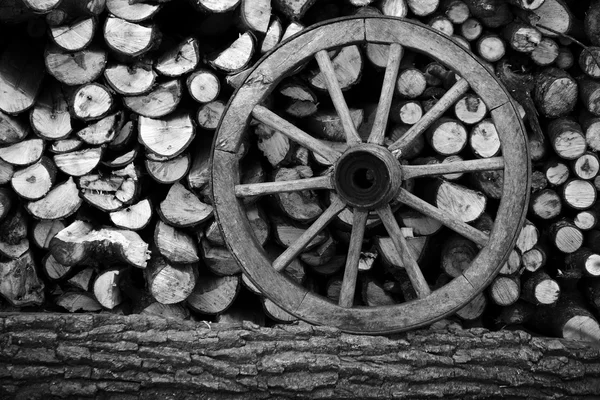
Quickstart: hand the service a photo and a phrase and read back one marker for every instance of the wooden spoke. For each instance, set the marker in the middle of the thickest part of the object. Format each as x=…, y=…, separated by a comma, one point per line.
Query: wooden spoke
x=452, y=95
x=359, y=223
x=273, y=120
x=410, y=264
x=257, y=189
x=460, y=227
x=296, y=248
x=333, y=86
x=485, y=164
x=387, y=93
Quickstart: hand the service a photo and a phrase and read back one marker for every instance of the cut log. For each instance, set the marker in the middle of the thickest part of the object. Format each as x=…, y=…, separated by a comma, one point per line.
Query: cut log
x=568, y=319
x=565, y=236
x=293, y=9
x=91, y=101
x=175, y=245
x=442, y=24
x=83, y=279
x=182, y=208
x=592, y=23
x=457, y=254
x=394, y=8
x=209, y=114
x=131, y=79
x=591, y=126
x=21, y=74
x=166, y=137
x=406, y=112
x=538, y=181
x=203, y=85
x=586, y=220
x=211, y=6
x=50, y=116
x=35, y=181
x=374, y=295
x=12, y=129
x=579, y=194
x=74, y=36
x=411, y=83
x=567, y=138
x=516, y=314
x=170, y=171
x=286, y=232
x=128, y=38
x=522, y=37
x=584, y=261
x=505, y=290
x=484, y=140
x=492, y=13
x=121, y=160
x=528, y=237
x=214, y=294
x=555, y=92
x=587, y=166
x=236, y=56
x=470, y=109
x=321, y=255
x=422, y=8
x=534, y=259
x=277, y=313
x=79, y=242
x=77, y=68
x=111, y=192
x=132, y=11
x=302, y=206
x=70, y=10
x=471, y=29
x=135, y=217
x=473, y=309
x=348, y=66
x=557, y=172
x=539, y=288
x=457, y=11
x=23, y=153
x=272, y=36
x=565, y=58
x=421, y=224
x=553, y=14
x=42, y=232
x=512, y=266
x=106, y=287
x=546, y=52
x=589, y=93
x=218, y=259
x=62, y=201
x=19, y=282
x=170, y=284
x=447, y=136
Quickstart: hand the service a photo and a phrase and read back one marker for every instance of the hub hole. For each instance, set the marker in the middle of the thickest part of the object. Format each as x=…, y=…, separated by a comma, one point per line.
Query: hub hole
x=364, y=178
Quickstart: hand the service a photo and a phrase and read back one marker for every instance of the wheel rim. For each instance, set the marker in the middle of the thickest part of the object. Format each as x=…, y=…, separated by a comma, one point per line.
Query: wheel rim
x=348, y=181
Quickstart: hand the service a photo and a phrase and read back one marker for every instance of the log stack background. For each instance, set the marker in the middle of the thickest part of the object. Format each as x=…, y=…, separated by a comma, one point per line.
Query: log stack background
x=102, y=212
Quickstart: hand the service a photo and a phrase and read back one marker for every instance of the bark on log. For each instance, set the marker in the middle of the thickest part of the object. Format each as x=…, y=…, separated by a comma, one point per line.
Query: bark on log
x=51, y=356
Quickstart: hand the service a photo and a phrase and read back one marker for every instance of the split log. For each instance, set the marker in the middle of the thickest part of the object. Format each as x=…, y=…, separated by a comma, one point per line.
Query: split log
x=180, y=59
x=129, y=39
x=328, y=125
x=168, y=171
x=465, y=204
x=236, y=56
x=60, y=202
x=107, y=289
x=294, y=9
x=23, y=153
x=78, y=301
x=110, y=192
x=528, y=237
x=79, y=242
x=180, y=130
x=218, y=259
x=131, y=79
x=175, y=245
x=516, y=314
x=591, y=127
x=534, y=259
x=276, y=313
x=134, y=217
x=35, y=181
x=132, y=11
x=182, y=208
x=374, y=295
x=348, y=66
x=545, y=53
x=492, y=13
x=214, y=294
x=42, y=232
x=302, y=206
x=170, y=284
x=77, y=68
x=73, y=36
x=163, y=99
x=255, y=15
x=19, y=282
x=50, y=116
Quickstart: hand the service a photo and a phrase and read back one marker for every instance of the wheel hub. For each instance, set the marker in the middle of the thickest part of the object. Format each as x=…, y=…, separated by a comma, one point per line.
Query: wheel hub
x=367, y=176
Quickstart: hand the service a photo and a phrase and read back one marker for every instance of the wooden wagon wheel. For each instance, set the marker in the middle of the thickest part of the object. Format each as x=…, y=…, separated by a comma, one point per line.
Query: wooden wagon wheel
x=385, y=174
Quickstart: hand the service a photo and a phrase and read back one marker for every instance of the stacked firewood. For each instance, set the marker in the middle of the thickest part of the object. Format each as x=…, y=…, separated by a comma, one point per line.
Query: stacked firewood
x=108, y=109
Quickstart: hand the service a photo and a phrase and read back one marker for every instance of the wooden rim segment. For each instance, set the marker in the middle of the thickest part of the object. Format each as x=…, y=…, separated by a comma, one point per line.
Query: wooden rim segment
x=246, y=104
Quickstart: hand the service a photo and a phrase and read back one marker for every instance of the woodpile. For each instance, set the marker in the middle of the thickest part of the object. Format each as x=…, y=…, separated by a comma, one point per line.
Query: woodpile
x=108, y=109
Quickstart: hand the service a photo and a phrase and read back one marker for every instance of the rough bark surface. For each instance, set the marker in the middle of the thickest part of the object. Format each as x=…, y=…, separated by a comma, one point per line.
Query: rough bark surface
x=107, y=356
